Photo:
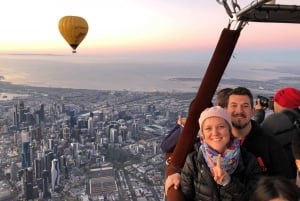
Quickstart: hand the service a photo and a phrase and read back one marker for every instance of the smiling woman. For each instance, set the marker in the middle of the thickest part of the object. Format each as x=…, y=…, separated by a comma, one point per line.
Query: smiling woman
x=214, y=170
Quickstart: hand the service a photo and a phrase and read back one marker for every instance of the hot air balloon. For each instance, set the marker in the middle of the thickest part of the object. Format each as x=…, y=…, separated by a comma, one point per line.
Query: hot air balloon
x=73, y=29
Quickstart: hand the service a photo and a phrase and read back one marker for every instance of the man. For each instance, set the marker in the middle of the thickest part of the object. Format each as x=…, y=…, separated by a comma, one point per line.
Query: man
x=222, y=96
x=285, y=121
x=270, y=155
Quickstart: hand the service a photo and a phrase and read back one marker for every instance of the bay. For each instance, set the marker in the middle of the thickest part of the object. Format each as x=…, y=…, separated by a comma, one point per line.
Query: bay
x=135, y=73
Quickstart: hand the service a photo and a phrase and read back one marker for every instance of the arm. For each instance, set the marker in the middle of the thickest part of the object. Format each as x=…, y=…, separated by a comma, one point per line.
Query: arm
x=169, y=142
x=280, y=164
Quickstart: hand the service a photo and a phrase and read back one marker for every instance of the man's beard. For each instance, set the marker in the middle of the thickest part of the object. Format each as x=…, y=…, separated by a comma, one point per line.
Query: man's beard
x=240, y=126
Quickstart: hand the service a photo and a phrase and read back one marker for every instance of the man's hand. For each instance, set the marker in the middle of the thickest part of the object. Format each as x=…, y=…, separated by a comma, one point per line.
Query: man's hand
x=172, y=180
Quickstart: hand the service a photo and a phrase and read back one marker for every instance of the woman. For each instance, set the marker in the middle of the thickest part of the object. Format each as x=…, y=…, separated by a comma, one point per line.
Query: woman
x=219, y=169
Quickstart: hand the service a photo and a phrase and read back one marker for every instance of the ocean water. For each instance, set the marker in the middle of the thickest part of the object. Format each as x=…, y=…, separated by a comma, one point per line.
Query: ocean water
x=182, y=74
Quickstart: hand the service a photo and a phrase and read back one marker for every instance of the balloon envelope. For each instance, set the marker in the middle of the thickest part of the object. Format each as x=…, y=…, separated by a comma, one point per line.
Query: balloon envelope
x=73, y=29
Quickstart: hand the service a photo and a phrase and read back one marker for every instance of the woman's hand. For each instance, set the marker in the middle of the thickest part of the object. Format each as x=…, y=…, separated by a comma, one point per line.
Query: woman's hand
x=172, y=180
x=221, y=177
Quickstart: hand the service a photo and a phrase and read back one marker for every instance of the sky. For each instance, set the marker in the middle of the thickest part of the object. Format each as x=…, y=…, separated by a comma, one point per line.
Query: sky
x=117, y=26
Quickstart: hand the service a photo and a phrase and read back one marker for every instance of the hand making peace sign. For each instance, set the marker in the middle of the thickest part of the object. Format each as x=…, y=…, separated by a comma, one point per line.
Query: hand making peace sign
x=220, y=175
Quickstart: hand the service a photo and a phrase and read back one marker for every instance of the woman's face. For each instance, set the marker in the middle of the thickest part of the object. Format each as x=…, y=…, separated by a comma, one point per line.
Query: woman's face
x=216, y=133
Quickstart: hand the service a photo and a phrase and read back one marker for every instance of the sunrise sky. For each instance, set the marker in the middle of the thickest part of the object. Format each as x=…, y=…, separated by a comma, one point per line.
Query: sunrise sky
x=31, y=26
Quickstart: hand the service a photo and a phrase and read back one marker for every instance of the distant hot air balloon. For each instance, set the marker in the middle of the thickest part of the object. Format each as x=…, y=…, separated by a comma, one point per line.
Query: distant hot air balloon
x=73, y=29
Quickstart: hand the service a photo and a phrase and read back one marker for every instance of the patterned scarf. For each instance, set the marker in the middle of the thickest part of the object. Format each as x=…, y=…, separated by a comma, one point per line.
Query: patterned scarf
x=229, y=158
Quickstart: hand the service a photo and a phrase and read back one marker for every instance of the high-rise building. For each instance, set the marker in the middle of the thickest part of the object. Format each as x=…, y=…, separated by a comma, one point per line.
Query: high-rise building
x=90, y=126
x=13, y=172
x=73, y=117
x=28, y=184
x=63, y=166
x=113, y=133
x=38, y=168
x=55, y=175
x=49, y=156
x=29, y=118
x=50, y=144
x=37, y=117
x=123, y=132
x=16, y=116
x=22, y=111
x=135, y=130
x=66, y=133
x=46, y=193
x=42, y=113
x=25, y=153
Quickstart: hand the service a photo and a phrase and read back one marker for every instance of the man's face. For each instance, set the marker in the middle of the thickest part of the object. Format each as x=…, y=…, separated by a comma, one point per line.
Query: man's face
x=239, y=107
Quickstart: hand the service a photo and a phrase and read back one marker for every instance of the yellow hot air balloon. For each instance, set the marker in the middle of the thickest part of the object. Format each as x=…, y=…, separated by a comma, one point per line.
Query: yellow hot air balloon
x=73, y=29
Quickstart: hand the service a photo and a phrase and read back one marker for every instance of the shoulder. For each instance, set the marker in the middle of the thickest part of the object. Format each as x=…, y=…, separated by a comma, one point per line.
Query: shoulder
x=293, y=115
x=275, y=118
x=259, y=134
x=191, y=158
x=282, y=122
x=287, y=115
x=193, y=161
x=293, y=112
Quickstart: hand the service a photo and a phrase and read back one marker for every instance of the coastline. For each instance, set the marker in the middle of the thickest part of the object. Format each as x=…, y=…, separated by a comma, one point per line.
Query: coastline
x=77, y=73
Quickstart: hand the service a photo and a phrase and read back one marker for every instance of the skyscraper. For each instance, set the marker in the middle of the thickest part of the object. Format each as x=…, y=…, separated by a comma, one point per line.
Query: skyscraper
x=28, y=184
x=15, y=116
x=13, y=172
x=90, y=126
x=55, y=175
x=46, y=193
x=42, y=113
x=25, y=154
x=22, y=111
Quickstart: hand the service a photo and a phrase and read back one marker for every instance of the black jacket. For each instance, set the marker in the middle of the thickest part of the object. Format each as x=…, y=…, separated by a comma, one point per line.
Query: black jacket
x=271, y=156
x=198, y=184
x=259, y=115
x=282, y=127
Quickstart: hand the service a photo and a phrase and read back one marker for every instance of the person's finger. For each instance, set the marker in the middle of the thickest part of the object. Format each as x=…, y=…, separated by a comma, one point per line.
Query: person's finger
x=177, y=184
x=211, y=162
x=179, y=119
x=167, y=189
x=219, y=162
x=168, y=184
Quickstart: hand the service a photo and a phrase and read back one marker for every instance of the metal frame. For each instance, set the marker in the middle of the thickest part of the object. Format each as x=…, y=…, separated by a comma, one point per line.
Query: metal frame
x=259, y=11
